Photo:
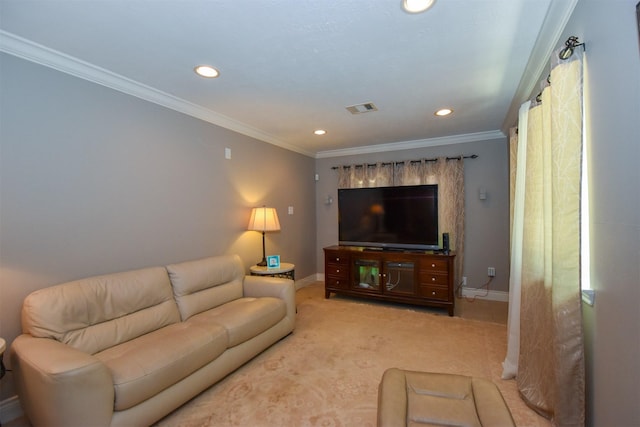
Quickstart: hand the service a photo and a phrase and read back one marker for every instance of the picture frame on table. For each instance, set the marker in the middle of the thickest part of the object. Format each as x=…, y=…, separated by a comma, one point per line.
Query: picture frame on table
x=273, y=261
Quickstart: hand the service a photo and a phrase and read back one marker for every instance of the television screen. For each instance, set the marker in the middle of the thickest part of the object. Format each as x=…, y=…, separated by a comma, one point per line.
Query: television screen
x=403, y=217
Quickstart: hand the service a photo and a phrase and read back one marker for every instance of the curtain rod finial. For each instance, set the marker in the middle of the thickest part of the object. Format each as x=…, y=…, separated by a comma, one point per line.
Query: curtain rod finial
x=571, y=43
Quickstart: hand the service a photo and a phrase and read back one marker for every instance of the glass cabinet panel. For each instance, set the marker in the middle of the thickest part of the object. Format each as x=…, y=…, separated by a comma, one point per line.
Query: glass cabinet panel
x=399, y=277
x=366, y=274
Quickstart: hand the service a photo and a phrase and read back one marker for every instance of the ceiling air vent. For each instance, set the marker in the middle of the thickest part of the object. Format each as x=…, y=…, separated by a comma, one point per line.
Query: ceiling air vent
x=362, y=108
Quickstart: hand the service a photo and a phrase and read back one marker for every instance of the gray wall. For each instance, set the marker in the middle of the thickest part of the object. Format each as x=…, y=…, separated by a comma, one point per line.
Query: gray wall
x=94, y=181
x=612, y=325
x=487, y=222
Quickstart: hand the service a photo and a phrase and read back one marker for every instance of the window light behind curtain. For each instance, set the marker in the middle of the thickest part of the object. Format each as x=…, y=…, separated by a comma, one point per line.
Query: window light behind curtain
x=545, y=340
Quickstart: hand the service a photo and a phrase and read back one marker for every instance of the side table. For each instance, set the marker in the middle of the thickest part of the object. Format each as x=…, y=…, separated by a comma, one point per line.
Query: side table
x=286, y=270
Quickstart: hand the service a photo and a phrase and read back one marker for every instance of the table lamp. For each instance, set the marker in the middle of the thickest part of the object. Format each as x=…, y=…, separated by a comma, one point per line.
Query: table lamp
x=263, y=219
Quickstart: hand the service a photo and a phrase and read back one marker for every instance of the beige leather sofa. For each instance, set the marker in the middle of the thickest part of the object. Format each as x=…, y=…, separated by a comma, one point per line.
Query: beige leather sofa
x=126, y=349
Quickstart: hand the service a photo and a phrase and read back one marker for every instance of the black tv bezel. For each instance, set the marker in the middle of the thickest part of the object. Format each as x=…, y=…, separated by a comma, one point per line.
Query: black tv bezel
x=394, y=245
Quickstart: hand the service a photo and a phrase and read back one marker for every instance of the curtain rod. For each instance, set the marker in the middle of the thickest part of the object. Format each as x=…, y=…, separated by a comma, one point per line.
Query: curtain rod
x=570, y=45
x=472, y=156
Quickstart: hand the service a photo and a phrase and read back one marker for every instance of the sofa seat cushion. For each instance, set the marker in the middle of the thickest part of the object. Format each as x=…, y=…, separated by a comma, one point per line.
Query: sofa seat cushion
x=147, y=365
x=244, y=318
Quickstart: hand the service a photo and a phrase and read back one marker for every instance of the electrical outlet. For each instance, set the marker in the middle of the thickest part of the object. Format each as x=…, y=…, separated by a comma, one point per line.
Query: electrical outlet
x=491, y=272
x=464, y=281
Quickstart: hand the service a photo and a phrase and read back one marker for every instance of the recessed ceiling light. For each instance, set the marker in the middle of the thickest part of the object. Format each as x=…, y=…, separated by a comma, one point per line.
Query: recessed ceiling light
x=319, y=132
x=443, y=112
x=206, y=71
x=417, y=6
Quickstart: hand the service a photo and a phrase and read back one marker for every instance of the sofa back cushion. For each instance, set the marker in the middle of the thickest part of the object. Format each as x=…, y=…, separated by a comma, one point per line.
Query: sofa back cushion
x=206, y=283
x=99, y=312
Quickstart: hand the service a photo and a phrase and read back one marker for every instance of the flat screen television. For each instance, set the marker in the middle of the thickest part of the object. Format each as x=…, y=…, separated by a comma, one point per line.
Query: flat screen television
x=404, y=217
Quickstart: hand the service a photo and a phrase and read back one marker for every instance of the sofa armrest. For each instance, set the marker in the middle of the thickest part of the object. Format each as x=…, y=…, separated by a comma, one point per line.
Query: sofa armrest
x=59, y=385
x=392, y=399
x=265, y=286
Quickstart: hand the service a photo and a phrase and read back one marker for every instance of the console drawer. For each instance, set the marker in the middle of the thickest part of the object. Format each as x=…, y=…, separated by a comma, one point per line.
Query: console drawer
x=434, y=265
x=434, y=292
x=428, y=278
x=335, y=258
x=336, y=283
x=338, y=271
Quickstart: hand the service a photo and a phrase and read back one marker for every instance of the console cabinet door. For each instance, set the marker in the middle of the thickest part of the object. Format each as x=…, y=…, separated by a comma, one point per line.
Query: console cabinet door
x=366, y=273
x=399, y=276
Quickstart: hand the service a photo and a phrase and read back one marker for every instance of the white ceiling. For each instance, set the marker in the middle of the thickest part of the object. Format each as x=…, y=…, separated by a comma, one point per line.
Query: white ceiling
x=289, y=67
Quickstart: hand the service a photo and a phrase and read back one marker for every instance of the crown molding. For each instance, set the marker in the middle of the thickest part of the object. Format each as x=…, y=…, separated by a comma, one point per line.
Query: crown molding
x=409, y=145
x=42, y=55
x=39, y=54
x=555, y=21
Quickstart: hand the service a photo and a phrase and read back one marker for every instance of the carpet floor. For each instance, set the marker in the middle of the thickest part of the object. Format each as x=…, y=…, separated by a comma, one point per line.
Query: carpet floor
x=327, y=372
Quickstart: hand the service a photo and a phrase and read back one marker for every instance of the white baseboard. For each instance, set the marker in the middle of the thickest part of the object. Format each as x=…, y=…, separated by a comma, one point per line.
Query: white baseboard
x=483, y=294
x=10, y=409
x=308, y=280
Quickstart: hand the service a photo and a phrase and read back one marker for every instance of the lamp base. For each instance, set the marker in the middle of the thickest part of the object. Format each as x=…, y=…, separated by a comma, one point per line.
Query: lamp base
x=263, y=263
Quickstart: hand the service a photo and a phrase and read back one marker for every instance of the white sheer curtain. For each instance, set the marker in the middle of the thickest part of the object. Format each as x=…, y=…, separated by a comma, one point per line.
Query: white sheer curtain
x=517, y=155
x=545, y=342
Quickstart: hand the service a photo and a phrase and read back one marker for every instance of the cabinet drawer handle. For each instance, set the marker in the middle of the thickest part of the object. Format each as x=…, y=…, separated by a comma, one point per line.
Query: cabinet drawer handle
x=433, y=293
x=337, y=270
x=337, y=258
x=433, y=265
x=433, y=279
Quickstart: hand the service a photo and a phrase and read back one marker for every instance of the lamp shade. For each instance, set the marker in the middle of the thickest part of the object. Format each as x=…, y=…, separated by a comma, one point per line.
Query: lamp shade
x=264, y=219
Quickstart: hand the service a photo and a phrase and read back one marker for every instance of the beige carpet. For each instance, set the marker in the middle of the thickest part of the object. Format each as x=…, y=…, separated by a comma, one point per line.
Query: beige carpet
x=327, y=372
